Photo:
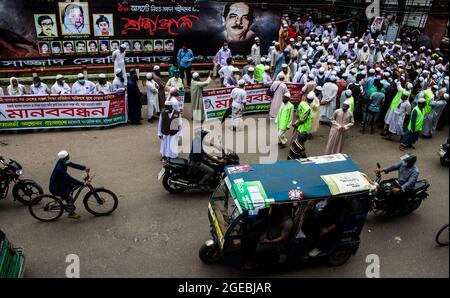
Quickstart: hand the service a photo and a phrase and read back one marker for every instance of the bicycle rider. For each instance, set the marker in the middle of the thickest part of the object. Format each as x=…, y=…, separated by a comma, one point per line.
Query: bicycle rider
x=62, y=184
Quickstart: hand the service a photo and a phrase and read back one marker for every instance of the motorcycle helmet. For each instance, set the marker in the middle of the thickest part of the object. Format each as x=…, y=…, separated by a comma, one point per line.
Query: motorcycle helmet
x=201, y=132
x=409, y=159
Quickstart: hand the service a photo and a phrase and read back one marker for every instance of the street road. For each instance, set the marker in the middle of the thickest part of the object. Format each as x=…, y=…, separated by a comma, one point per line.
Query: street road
x=156, y=234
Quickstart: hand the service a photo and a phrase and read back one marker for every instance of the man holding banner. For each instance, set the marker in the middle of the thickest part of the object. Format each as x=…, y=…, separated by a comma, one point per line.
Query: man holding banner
x=196, y=95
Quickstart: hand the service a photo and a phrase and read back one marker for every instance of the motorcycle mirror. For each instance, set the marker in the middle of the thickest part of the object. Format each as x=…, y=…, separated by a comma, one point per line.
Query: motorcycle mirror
x=378, y=165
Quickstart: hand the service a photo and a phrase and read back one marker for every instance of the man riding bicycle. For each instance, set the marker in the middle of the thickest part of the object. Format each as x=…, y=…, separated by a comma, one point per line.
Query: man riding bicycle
x=62, y=184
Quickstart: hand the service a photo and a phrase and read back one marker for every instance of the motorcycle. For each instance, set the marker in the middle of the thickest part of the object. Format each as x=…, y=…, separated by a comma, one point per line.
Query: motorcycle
x=443, y=153
x=177, y=177
x=24, y=190
x=382, y=203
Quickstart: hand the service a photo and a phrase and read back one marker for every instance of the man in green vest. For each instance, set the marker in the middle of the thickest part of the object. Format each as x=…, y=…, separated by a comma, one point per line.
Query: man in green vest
x=259, y=71
x=415, y=126
x=285, y=116
x=304, y=118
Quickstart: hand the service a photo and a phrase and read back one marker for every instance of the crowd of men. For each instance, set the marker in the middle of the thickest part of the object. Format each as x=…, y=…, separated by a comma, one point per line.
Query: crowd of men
x=346, y=80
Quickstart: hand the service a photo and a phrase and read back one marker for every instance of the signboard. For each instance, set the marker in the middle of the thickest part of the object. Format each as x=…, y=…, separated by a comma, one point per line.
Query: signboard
x=251, y=195
x=67, y=31
x=41, y=111
x=347, y=183
x=216, y=101
x=392, y=32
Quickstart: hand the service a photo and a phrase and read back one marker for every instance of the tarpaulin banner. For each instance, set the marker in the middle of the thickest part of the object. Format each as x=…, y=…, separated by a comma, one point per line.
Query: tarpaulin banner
x=217, y=101
x=70, y=33
x=34, y=112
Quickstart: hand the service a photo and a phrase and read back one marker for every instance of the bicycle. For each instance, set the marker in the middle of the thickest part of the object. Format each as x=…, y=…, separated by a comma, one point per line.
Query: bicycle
x=48, y=207
x=440, y=236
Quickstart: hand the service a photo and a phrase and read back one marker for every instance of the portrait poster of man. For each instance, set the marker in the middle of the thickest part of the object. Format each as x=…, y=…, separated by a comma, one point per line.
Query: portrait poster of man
x=169, y=45
x=148, y=46
x=103, y=24
x=114, y=45
x=80, y=46
x=45, y=25
x=74, y=17
x=103, y=46
x=92, y=47
x=56, y=47
x=159, y=45
x=68, y=47
x=236, y=22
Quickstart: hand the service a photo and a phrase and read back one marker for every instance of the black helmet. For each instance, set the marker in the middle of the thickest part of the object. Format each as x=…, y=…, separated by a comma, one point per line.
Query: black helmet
x=410, y=159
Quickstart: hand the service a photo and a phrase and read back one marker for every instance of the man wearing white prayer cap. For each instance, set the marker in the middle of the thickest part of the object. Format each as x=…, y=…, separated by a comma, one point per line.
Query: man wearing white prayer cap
x=239, y=100
x=60, y=87
x=119, y=83
x=197, y=87
x=168, y=131
x=118, y=57
x=152, y=97
x=103, y=86
x=342, y=121
x=83, y=86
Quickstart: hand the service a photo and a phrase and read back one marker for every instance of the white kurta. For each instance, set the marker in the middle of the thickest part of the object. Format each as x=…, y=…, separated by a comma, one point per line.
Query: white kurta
x=60, y=90
x=103, y=89
x=88, y=88
x=398, y=117
x=41, y=90
x=152, y=98
x=118, y=85
x=280, y=89
x=17, y=91
x=169, y=144
x=119, y=62
x=329, y=94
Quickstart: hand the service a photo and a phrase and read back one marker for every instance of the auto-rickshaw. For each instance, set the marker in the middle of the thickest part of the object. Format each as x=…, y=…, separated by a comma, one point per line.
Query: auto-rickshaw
x=241, y=207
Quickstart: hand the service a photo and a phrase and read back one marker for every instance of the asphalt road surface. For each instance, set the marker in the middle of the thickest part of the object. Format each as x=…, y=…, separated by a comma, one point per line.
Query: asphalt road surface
x=156, y=234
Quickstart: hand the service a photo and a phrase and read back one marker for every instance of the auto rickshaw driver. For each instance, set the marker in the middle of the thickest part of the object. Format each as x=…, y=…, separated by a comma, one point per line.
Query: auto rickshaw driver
x=278, y=231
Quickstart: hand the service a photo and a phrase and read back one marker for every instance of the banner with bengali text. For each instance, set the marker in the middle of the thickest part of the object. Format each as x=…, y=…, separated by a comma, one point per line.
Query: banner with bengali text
x=217, y=101
x=36, y=112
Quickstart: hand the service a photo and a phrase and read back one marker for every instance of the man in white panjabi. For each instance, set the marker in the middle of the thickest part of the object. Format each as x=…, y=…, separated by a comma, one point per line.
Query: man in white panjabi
x=168, y=129
x=328, y=102
x=118, y=57
x=60, y=87
x=239, y=99
x=152, y=97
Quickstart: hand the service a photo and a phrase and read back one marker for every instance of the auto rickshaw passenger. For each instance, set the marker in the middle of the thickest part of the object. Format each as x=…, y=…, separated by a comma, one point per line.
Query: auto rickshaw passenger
x=280, y=228
x=324, y=225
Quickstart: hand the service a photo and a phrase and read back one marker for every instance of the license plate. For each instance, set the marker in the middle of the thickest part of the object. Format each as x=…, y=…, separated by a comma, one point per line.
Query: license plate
x=161, y=173
x=442, y=152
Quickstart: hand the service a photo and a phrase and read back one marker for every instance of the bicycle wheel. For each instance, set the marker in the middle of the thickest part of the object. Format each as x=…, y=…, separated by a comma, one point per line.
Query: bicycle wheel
x=100, y=202
x=46, y=208
x=442, y=236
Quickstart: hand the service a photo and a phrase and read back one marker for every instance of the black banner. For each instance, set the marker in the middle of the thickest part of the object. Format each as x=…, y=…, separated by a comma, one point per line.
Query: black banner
x=47, y=33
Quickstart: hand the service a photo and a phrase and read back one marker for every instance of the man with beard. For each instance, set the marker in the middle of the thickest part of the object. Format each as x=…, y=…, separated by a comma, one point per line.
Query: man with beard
x=60, y=87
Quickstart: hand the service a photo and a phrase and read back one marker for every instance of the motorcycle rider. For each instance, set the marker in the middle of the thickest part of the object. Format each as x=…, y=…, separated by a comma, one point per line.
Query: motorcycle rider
x=62, y=184
x=408, y=173
x=198, y=159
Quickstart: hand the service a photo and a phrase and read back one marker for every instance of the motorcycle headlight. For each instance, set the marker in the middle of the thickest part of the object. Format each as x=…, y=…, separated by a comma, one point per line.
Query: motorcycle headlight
x=19, y=172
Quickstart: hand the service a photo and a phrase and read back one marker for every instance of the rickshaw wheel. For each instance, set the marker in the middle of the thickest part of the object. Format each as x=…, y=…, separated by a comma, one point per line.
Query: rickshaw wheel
x=209, y=254
x=340, y=256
